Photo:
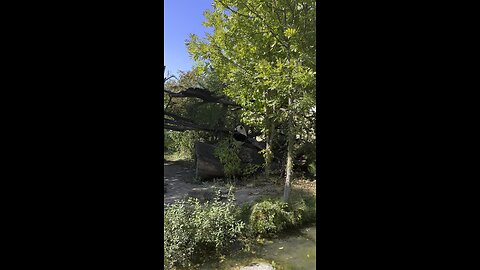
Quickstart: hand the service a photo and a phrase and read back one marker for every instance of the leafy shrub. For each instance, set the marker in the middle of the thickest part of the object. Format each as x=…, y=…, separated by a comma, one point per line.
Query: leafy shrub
x=193, y=230
x=308, y=152
x=250, y=169
x=268, y=218
x=183, y=143
x=303, y=209
x=167, y=141
x=178, y=232
x=227, y=151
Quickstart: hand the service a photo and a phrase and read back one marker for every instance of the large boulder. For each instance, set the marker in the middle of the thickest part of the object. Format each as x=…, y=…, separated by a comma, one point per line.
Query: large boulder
x=208, y=166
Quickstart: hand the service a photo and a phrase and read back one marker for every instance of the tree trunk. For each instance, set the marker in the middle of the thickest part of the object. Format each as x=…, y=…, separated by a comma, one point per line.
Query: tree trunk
x=268, y=149
x=290, y=141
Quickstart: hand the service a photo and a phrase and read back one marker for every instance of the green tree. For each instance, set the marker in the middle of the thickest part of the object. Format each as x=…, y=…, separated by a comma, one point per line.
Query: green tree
x=264, y=51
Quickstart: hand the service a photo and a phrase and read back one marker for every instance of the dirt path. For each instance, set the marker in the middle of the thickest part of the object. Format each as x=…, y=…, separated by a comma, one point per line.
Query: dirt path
x=178, y=179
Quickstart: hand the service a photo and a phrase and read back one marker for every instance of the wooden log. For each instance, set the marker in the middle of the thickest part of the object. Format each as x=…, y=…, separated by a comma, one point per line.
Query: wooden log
x=208, y=166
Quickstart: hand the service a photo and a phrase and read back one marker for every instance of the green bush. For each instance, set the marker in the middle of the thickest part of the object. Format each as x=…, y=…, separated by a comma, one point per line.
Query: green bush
x=303, y=209
x=250, y=169
x=309, y=153
x=182, y=143
x=228, y=153
x=268, y=218
x=193, y=230
x=178, y=231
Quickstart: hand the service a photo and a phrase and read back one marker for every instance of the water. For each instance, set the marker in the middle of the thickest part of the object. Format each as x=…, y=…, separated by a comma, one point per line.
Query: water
x=296, y=251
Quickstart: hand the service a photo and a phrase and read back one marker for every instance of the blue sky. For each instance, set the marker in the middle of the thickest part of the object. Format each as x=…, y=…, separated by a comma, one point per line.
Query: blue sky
x=182, y=17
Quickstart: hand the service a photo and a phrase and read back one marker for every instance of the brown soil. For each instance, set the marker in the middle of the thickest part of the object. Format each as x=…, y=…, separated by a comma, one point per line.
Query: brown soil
x=179, y=181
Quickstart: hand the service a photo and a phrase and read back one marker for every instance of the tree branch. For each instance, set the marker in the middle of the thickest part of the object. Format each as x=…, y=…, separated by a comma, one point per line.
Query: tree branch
x=183, y=126
x=269, y=28
x=202, y=94
x=234, y=11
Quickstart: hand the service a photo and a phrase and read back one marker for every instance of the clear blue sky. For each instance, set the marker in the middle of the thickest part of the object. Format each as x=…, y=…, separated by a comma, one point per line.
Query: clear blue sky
x=182, y=17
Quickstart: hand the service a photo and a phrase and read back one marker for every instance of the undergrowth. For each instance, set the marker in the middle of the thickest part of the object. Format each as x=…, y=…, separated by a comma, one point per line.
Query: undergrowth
x=194, y=230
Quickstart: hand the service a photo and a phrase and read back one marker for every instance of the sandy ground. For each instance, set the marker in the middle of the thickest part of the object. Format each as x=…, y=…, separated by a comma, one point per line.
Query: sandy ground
x=179, y=181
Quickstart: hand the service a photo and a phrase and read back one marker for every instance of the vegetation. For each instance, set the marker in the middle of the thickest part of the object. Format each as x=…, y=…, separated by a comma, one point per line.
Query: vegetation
x=194, y=230
x=269, y=217
x=264, y=52
x=256, y=68
x=228, y=151
x=181, y=144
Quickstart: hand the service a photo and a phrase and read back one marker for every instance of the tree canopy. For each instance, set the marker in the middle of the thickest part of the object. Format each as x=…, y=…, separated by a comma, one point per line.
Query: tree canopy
x=264, y=52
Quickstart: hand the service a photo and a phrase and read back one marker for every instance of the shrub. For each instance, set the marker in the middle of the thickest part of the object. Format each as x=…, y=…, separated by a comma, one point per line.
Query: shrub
x=309, y=153
x=303, y=209
x=193, y=230
x=178, y=232
x=196, y=230
x=269, y=218
x=228, y=153
x=272, y=216
x=250, y=169
x=182, y=144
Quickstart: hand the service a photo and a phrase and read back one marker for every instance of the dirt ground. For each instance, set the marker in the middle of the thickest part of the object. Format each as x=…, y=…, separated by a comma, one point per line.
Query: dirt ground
x=179, y=181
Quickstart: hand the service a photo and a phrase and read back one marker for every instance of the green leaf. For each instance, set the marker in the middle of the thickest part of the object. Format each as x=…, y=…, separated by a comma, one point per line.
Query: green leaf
x=289, y=32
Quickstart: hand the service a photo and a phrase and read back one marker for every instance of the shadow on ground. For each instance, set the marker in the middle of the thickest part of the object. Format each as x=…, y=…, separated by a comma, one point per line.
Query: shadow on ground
x=179, y=182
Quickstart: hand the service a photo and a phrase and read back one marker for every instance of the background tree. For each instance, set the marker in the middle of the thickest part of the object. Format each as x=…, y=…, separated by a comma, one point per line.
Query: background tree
x=263, y=51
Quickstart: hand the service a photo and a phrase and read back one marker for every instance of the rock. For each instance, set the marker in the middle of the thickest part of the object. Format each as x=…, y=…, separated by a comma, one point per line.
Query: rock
x=258, y=266
x=208, y=166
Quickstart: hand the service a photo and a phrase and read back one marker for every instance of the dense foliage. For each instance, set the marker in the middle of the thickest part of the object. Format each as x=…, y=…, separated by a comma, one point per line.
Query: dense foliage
x=270, y=217
x=193, y=229
x=209, y=115
x=264, y=52
x=181, y=144
x=206, y=114
x=261, y=54
x=228, y=152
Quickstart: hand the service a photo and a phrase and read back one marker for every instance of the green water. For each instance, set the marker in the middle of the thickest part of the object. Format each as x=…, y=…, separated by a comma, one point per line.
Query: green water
x=296, y=251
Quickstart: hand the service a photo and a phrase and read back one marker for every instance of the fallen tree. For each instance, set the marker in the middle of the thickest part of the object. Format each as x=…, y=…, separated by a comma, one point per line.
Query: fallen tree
x=176, y=122
x=207, y=165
